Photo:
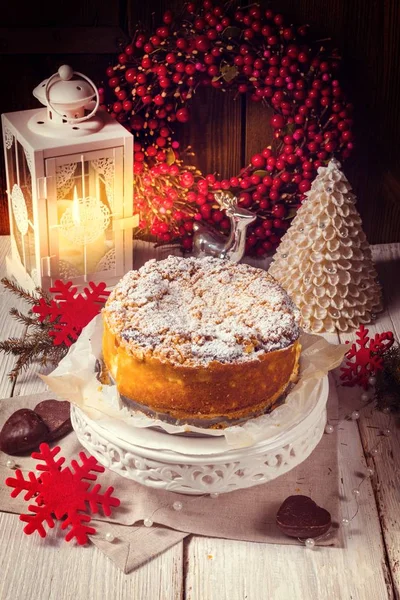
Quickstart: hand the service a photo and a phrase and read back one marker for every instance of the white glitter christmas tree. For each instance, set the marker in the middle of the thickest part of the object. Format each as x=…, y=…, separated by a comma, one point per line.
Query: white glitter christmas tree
x=324, y=260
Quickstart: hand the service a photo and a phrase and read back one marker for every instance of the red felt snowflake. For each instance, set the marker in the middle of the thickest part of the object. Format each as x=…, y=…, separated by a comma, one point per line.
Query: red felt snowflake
x=368, y=358
x=62, y=493
x=73, y=311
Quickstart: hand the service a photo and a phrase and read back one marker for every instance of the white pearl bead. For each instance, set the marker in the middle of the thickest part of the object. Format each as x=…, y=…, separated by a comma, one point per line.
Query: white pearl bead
x=386, y=432
x=355, y=492
x=109, y=537
x=370, y=472
x=214, y=495
x=365, y=397
x=310, y=543
x=355, y=415
x=329, y=429
x=147, y=522
x=374, y=451
x=372, y=380
x=10, y=463
x=177, y=506
x=345, y=522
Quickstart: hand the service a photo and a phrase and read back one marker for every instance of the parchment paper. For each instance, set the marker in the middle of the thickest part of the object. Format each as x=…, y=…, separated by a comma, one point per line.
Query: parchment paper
x=75, y=379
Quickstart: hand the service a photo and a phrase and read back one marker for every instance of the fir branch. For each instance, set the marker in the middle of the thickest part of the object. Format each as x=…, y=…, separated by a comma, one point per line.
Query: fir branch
x=31, y=344
x=28, y=320
x=14, y=346
x=19, y=291
x=30, y=350
x=37, y=342
x=22, y=364
x=41, y=293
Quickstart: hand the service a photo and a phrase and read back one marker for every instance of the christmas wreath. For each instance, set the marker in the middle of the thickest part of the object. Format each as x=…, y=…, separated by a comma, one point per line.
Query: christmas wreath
x=243, y=51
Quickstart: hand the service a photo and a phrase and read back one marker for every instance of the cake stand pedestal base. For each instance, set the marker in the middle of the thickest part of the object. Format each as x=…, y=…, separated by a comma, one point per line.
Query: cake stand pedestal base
x=194, y=465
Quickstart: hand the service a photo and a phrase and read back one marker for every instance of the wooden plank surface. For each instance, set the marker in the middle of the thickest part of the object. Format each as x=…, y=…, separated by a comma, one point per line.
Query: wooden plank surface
x=367, y=567
x=60, y=40
x=260, y=571
x=214, y=133
x=9, y=327
x=68, y=13
x=52, y=569
x=386, y=482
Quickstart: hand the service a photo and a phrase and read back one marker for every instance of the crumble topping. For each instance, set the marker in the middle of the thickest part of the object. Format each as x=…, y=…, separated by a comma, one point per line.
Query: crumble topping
x=193, y=311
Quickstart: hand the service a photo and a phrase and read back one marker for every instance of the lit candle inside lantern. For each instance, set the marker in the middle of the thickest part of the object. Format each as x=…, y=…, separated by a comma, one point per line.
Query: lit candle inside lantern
x=76, y=213
x=82, y=240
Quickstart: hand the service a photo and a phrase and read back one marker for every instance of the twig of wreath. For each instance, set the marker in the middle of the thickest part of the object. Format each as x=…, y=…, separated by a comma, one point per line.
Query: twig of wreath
x=240, y=51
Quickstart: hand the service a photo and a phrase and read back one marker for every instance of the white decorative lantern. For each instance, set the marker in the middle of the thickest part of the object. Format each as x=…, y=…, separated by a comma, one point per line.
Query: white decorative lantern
x=69, y=178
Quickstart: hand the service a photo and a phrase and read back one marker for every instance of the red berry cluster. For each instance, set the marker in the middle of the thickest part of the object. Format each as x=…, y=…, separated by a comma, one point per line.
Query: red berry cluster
x=245, y=51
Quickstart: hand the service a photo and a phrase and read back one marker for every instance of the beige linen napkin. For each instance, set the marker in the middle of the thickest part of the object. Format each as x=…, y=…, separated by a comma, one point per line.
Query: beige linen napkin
x=242, y=515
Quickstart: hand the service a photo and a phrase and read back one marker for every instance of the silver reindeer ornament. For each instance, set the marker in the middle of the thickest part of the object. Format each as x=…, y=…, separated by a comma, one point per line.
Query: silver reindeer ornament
x=207, y=242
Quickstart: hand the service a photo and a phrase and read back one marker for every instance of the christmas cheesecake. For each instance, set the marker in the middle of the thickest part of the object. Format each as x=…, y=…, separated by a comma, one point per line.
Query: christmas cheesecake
x=200, y=338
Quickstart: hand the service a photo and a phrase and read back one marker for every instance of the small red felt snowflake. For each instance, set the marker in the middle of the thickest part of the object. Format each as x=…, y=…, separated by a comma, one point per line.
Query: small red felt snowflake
x=368, y=358
x=73, y=311
x=62, y=493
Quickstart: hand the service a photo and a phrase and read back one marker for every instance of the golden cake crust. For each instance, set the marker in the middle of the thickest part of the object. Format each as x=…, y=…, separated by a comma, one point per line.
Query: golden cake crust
x=200, y=338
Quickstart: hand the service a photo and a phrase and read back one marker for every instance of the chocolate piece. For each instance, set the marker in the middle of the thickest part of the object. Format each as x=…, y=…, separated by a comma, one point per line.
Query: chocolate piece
x=24, y=430
x=301, y=517
x=56, y=415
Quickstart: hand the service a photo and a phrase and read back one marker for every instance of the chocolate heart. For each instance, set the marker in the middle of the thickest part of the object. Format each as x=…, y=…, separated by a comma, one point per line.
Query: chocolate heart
x=56, y=415
x=301, y=517
x=24, y=430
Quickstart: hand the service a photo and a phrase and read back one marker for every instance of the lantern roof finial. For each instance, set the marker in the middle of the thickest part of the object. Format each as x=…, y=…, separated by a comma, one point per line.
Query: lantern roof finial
x=65, y=72
x=66, y=94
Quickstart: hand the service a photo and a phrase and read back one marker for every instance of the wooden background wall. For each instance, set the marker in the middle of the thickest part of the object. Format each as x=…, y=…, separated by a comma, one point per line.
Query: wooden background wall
x=34, y=41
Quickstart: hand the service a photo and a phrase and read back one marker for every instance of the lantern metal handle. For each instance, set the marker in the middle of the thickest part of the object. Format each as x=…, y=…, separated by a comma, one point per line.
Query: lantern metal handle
x=68, y=74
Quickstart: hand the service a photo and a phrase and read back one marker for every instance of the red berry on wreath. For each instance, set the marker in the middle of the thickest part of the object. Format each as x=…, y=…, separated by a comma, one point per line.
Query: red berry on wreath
x=137, y=122
x=130, y=75
x=121, y=94
x=310, y=121
x=113, y=82
x=304, y=186
x=245, y=200
x=202, y=43
x=187, y=243
x=278, y=211
x=159, y=101
x=117, y=107
x=167, y=18
x=258, y=161
x=182, y=115
x=277, y=121
x=186, y=179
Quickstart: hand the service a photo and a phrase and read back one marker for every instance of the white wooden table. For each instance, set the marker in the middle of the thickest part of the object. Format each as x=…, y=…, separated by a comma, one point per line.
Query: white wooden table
x=199, y=568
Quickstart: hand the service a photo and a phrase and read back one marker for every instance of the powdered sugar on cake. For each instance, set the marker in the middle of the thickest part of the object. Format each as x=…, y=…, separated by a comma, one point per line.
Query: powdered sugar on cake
x=193, y=311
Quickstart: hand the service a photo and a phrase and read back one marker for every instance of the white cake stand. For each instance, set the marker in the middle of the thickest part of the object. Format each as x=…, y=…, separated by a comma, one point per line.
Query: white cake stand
x=200, y=465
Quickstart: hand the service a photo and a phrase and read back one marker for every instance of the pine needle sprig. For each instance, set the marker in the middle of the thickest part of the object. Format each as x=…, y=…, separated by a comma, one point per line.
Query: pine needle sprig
x=36, y=344
x=27, y=320
x=51, y=322
x=30, y=349
x=29, y=297
x=14, y=346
